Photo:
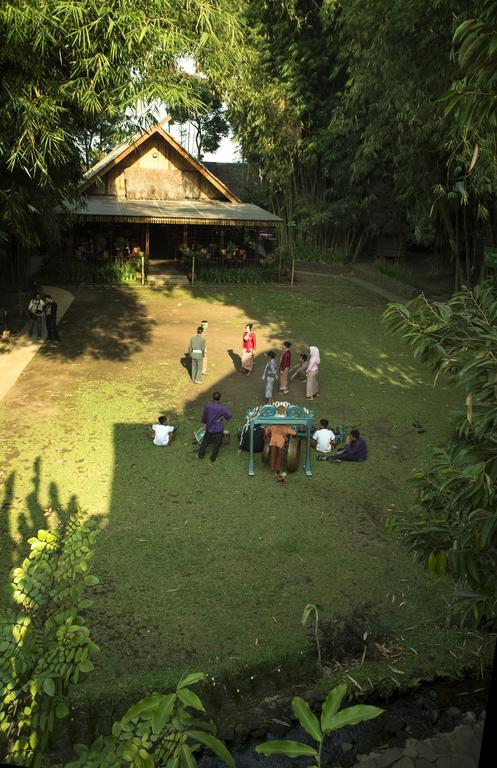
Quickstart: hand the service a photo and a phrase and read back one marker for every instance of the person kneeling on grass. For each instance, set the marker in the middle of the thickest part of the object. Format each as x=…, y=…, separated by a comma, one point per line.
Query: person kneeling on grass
x=162, y=432
x=355, y=449
x=323, y=438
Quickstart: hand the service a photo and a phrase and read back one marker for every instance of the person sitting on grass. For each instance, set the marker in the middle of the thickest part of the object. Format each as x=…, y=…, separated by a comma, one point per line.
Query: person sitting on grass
x=355, y=449
x=300, y=369
x=323, y=438
x=162, y=432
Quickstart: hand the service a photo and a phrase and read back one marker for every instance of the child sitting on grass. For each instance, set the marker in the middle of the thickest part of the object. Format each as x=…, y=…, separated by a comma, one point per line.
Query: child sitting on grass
x=299, y=369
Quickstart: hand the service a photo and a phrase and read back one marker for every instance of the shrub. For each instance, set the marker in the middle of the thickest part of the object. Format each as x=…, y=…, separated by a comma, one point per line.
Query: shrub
x=317, y=255
x=44, y=642
x=74, y=272
x=452, y=528
x=234, y=275
x=397, y=271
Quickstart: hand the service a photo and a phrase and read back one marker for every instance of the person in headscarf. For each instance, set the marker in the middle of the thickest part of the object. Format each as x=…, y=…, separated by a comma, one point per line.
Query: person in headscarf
x=312, y=385
x=248, y=349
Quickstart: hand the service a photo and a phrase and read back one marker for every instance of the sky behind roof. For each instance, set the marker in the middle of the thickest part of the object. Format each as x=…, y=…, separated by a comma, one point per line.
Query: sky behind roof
x=228, y=152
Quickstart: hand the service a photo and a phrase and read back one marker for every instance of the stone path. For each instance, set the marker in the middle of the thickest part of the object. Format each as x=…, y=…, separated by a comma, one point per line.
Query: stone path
x=16, y=353
x=458, y=749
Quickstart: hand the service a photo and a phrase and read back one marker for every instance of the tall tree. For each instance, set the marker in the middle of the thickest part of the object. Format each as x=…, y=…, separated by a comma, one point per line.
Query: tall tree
x=207, y=117
x=339, y=101
x=67, y=64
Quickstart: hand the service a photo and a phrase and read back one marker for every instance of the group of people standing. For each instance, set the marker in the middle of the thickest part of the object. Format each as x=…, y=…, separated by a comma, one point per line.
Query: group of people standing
x=43, y=308
x=306, y=369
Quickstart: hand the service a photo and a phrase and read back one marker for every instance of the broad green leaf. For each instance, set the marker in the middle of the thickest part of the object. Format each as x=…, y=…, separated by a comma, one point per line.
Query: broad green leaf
x=187, y=756
x=191, y=679
x=163, y=713
x=332, y=705
x=61, y=711
x=307, y=718
x=150, y=702
x=48, y=686
x=214, y=744
x=353, y=716
x=287, y=747
x=190, y=699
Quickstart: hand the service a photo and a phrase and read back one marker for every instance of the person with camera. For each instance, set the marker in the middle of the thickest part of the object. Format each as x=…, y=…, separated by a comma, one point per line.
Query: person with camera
x=36, y=309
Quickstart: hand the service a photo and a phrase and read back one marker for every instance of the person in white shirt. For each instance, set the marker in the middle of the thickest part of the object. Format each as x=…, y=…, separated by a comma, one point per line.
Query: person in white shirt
x=162, y=432
x=36, y=309
x=323, y=438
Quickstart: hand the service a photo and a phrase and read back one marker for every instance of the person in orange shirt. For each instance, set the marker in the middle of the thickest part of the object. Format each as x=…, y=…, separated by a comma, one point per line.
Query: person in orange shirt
x=278, y=435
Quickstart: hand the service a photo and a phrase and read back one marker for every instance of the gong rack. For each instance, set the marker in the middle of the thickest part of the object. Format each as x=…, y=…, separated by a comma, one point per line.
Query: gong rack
x=280, y=413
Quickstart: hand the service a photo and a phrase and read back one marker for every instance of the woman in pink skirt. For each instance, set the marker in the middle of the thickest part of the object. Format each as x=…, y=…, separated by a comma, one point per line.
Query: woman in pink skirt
x=248, y=349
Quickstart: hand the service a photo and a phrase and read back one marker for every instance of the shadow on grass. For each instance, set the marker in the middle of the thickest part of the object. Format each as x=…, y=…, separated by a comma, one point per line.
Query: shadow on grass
x=104, y=323
x=20, y=524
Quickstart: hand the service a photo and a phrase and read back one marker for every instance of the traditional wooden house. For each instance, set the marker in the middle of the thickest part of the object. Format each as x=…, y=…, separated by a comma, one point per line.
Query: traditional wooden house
x=151, y=194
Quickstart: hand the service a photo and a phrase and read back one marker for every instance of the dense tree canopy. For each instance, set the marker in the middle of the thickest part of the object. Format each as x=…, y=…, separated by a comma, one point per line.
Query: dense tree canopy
x=340, y=103
x=68, y=65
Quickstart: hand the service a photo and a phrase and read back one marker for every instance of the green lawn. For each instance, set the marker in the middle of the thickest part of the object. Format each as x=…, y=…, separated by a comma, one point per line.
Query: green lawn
x=202, y=567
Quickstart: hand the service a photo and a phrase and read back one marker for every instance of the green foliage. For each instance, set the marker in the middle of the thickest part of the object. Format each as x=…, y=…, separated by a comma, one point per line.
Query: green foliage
x=208, y=118
x=474, y=99
x=157, y=731
x=339, y=105
x=44, y=643
x=331, y=719
x=74, y=272
x=453, y=526
x=234, y=275
x=316, y=254
x=395, y=270
x=70, y=67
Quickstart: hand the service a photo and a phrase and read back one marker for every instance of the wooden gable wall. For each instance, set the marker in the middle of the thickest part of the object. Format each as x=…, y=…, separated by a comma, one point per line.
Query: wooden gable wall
x=155, y=170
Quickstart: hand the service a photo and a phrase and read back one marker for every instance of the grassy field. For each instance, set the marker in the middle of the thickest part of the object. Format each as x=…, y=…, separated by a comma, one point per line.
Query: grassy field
x=201, y=566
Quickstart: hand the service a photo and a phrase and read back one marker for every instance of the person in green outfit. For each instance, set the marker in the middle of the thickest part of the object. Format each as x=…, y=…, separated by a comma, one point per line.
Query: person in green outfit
x=196, y=350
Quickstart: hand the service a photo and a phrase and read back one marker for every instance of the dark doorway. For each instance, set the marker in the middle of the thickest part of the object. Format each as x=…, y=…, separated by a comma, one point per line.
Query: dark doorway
x=165, y=240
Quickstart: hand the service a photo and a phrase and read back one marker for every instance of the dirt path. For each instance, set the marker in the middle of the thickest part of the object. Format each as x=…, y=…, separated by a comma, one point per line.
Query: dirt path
x=17, y=353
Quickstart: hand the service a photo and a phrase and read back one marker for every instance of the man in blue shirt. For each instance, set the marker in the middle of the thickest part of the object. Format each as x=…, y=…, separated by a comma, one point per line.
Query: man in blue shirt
x=355, y=450
x=213, y=417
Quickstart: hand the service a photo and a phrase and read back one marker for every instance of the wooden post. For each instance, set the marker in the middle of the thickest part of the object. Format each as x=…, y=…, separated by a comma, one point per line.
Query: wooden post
x=111, y=241
x=146, y=255
x=293, y=271
x=193, y=269
x=147, y=240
